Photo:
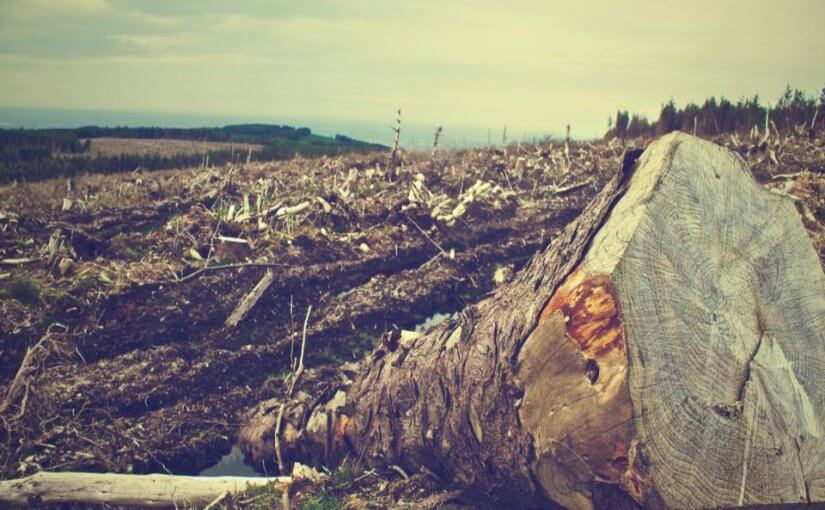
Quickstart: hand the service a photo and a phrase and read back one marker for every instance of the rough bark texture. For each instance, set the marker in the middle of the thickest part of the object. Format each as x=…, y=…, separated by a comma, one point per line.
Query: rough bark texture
x=447, y=400
x=665, y=350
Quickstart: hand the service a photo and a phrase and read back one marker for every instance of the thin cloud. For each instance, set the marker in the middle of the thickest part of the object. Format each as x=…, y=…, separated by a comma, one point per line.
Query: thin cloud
x=534, y=65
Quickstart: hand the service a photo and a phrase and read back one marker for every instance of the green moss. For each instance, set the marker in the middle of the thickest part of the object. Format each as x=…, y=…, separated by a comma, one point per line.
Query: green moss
x=22, y=289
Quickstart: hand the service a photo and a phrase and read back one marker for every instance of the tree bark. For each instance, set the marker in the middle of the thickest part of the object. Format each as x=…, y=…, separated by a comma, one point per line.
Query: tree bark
x=666, y=350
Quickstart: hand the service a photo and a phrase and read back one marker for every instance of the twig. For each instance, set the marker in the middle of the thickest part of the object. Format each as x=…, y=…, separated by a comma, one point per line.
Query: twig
x=398, y=469
x=300, y=370
x=23, y=402
x=575, y=186
x=217, y=501
x=278, y=439
x=344, y=485
x=212, y=242
x=17, y=262
x=443, y=252
x=788, y=176
x=22, y=373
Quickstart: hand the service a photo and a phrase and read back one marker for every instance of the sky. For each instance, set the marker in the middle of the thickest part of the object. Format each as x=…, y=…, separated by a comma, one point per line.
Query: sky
x=472, y=66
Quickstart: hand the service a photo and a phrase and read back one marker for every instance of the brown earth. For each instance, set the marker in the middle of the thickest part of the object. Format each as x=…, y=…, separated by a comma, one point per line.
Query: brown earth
x=124, y=284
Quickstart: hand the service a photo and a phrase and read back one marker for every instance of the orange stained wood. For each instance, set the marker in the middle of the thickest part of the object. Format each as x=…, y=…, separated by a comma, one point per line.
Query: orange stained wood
x=591, y=312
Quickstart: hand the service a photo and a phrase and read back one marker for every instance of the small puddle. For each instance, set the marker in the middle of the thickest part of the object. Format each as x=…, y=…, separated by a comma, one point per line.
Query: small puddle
x=231, y=464
x=432, y=320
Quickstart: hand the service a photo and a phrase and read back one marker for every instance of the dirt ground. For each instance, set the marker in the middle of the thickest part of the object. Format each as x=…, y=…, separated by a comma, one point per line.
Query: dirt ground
x=115, y=354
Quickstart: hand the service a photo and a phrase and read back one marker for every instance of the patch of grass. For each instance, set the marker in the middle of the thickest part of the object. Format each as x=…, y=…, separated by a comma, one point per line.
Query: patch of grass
x=282, y=375
x=22, y=289
x=328, y=355
x=312, y=189
x=263, y=498
x=322, y=502
x=367, y=341
x=346, y=472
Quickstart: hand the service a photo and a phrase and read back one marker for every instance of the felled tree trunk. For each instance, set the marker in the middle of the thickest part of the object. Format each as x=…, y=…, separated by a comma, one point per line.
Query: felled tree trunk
x=143, y=491
x=667, y=350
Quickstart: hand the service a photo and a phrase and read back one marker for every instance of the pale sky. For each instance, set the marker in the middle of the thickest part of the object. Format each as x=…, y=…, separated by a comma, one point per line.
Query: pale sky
x=533, y=65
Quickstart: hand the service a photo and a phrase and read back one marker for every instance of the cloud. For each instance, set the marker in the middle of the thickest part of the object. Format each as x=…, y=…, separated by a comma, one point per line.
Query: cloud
x=536, y=64
x=159, y=43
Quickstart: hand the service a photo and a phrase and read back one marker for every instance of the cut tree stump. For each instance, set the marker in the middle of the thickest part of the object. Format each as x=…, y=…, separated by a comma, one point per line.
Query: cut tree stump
x=666, y=350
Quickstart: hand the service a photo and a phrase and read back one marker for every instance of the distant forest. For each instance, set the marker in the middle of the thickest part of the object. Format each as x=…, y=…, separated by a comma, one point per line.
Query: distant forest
x=795, y=111
x=35, y=154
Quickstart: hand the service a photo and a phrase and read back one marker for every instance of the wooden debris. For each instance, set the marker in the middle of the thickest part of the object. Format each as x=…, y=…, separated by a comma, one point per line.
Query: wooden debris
x=249, y=301
x=27, y=366
x=65, y=266
x=572, y=187
x=17, y=262
x=292, y=210
x=146, y=491
x=324, y=204
x=232, y=248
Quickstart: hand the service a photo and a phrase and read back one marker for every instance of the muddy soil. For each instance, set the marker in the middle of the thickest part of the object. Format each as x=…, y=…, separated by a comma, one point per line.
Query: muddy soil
x=119, y=288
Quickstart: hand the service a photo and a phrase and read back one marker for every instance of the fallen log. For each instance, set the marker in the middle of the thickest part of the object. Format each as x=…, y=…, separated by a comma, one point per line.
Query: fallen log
x=665, y=351
x=145, y=491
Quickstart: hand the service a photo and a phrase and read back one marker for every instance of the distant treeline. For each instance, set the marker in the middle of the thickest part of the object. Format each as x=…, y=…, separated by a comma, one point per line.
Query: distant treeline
x=795, y=110
x=35, y=154
x=242, y=133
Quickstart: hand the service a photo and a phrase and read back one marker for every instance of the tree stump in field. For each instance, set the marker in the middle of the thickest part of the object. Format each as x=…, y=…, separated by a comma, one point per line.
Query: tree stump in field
x=667, y=350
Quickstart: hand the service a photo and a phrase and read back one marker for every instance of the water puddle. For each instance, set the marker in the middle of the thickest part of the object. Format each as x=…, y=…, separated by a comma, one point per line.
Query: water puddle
x=231, y=464
x=432, y=320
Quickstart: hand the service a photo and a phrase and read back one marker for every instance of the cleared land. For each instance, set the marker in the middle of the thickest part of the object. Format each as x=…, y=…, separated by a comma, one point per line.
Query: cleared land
x=163, y=147
x=120, y=287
